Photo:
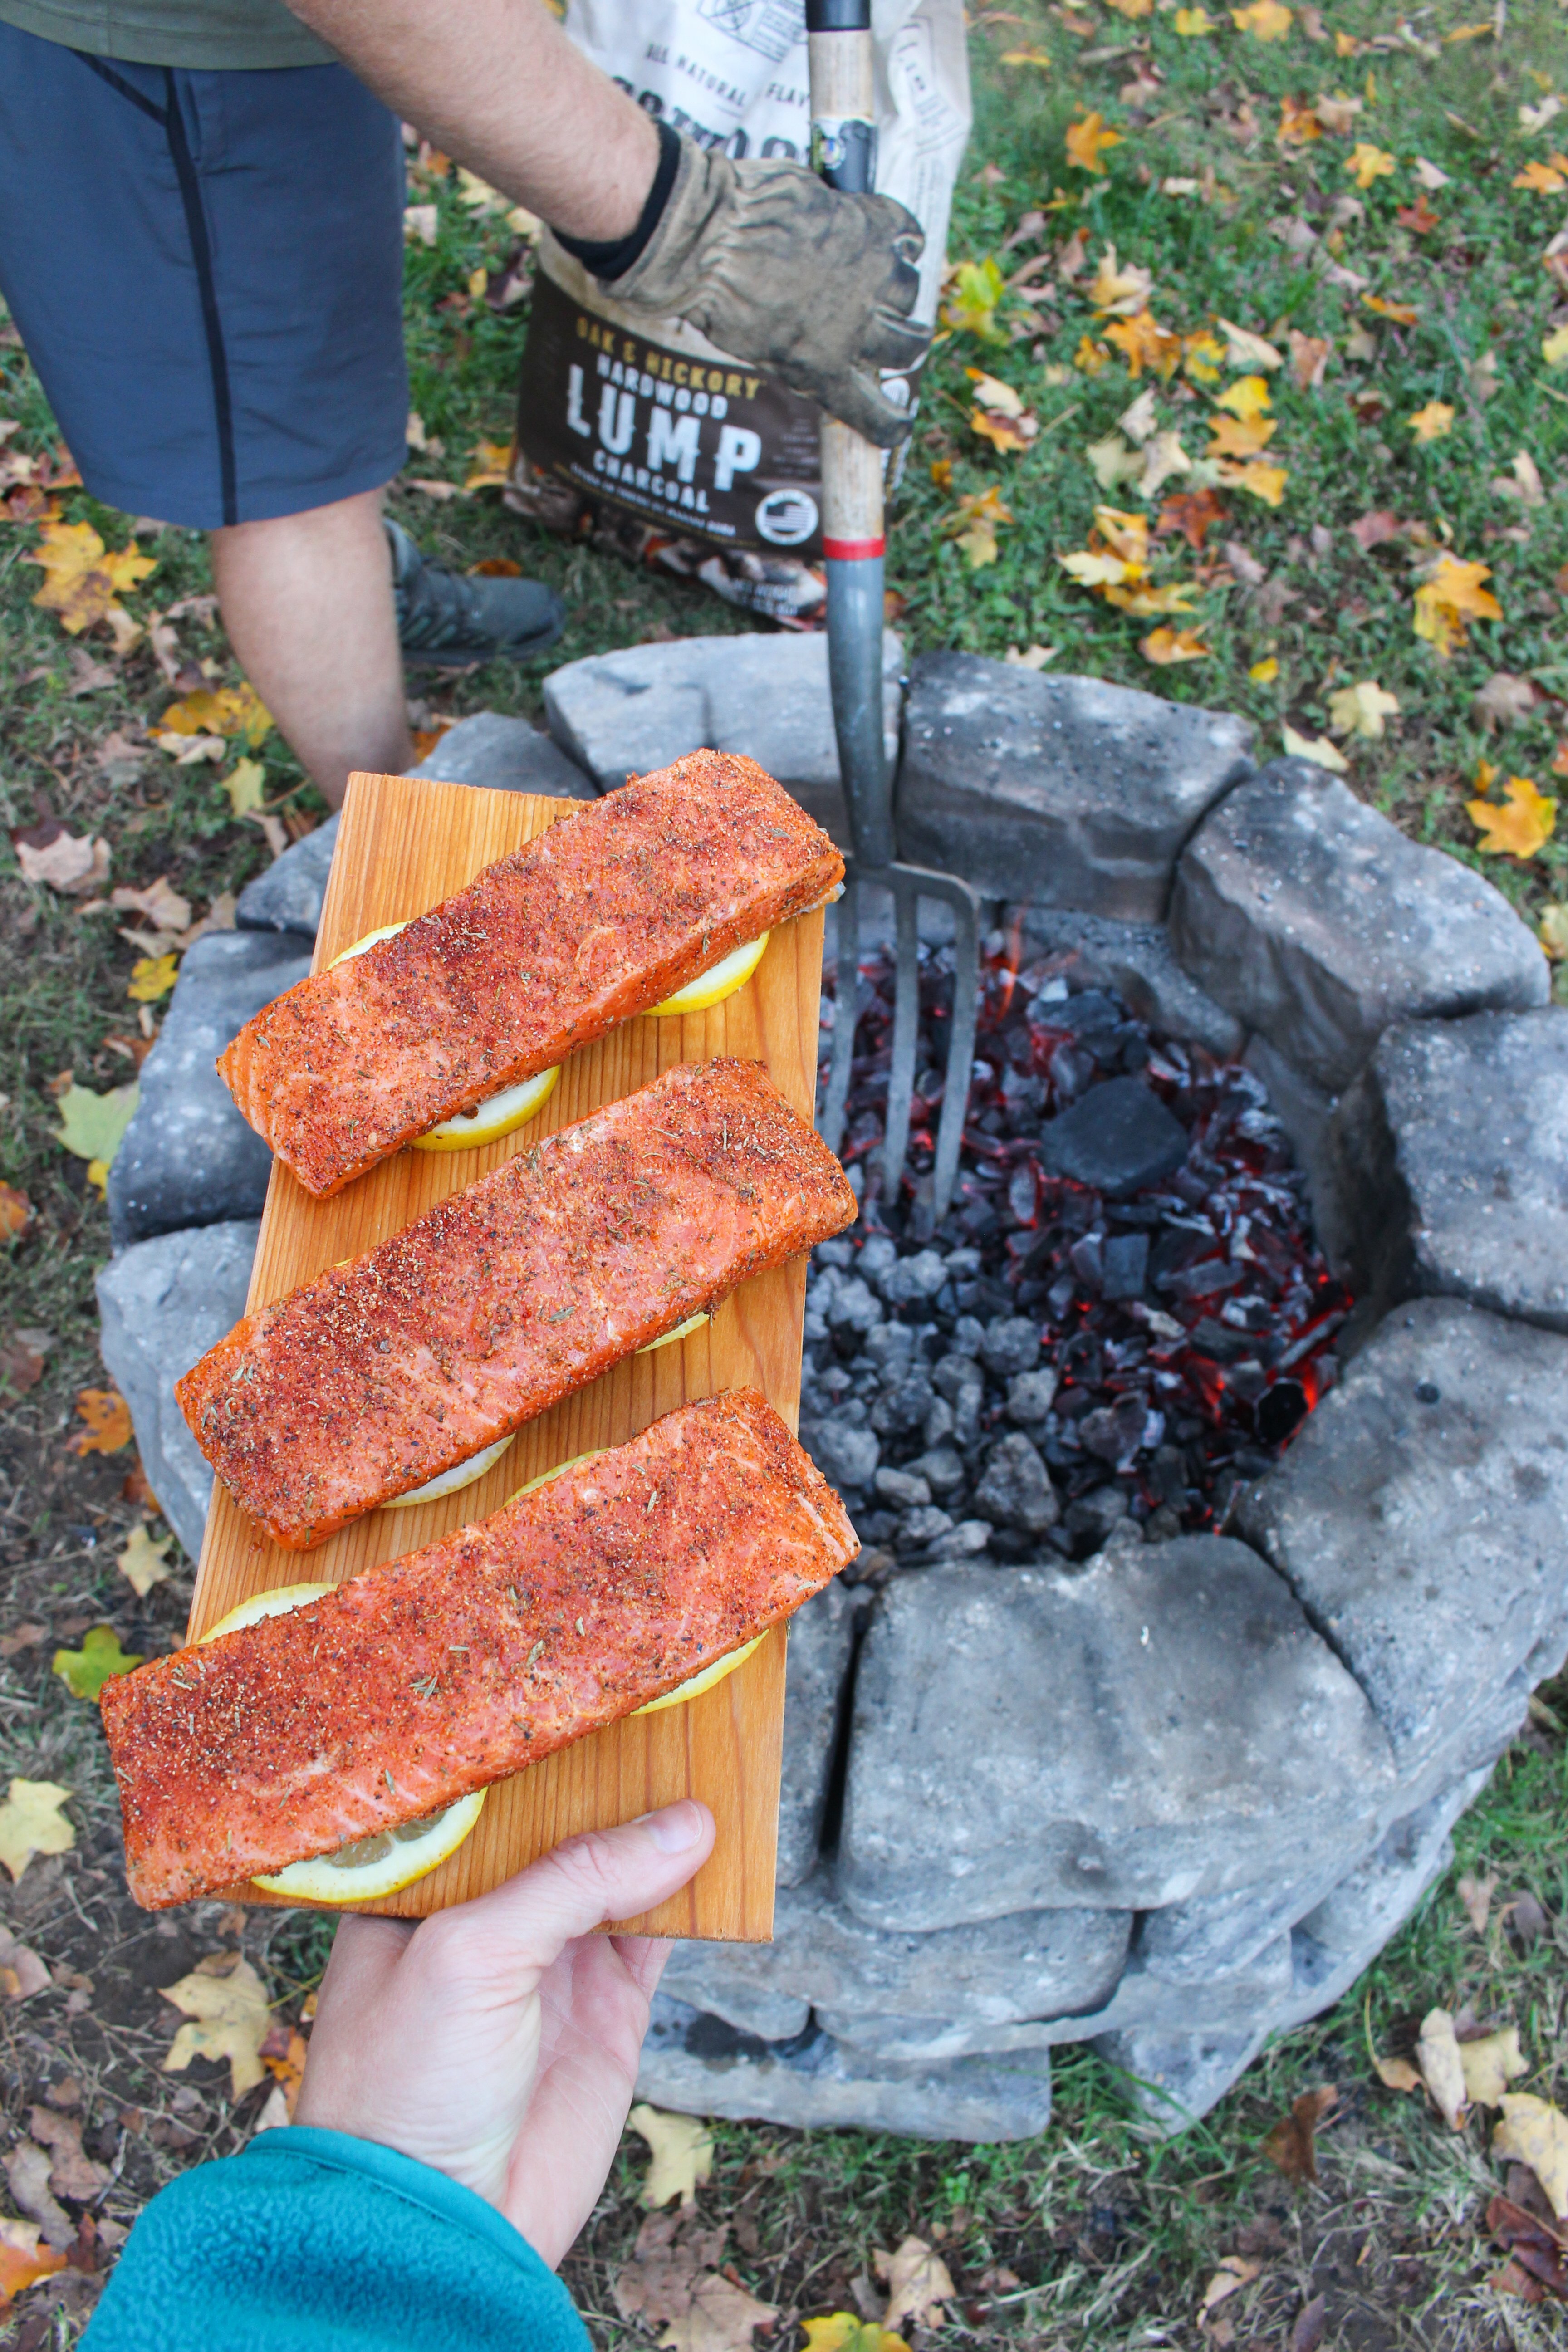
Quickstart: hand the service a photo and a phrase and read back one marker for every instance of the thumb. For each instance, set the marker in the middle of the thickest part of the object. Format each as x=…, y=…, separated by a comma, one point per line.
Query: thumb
x=602, y=1875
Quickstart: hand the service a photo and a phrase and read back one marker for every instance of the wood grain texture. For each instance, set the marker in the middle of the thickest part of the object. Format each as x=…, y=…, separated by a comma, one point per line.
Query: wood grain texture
x=405, y=845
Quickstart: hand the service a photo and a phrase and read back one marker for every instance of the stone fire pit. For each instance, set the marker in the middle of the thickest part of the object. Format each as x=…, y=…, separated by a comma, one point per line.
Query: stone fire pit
x=1063, y=1774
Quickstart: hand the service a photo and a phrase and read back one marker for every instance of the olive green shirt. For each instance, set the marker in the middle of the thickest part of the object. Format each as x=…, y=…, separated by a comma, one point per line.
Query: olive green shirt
x=206, y=34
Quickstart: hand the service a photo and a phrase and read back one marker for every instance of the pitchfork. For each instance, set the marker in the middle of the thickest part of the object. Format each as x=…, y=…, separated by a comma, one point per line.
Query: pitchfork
x=843, y=148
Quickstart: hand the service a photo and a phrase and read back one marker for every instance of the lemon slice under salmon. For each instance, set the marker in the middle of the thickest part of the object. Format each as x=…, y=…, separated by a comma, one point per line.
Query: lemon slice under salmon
x=713, y=987
x=461, y=1474
x=370, y=1868
x=496, y=1116
x=681, y=1331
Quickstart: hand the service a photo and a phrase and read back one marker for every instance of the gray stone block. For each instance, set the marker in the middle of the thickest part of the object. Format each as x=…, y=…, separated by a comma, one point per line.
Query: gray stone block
x=1173, y=2079
x=1186, y=1943
x=500, y=754
x=1137, y=960
x=1361, y=1912
x=1454, y=1143
x=503, y=755
x=1315, y=920
x=1305, y=1113
x=1228, y=2002
x=162, y=1304
x=698, y=2066
x=187, y=1157
x=1153, y=1726
x=821, y=1652
x=986, y=1975
x=765, y=697
x=287, y=897
x=1421, y=1516
x=1062, y=790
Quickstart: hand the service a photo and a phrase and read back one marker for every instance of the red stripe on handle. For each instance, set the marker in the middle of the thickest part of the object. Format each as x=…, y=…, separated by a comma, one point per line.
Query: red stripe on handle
x=853, y=550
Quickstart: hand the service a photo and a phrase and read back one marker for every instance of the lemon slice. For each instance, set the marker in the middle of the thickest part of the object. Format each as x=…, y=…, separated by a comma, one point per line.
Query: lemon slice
x=381, y=1863
x=496, y=1116
x=461, y=1474
x=713, y=987
x=681, y=1331
x=387, y=1860
x=560, y=1471
x=703, y=1680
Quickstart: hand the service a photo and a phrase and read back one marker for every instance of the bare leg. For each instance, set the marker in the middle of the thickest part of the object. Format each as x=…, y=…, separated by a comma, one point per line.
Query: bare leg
x=306, y=601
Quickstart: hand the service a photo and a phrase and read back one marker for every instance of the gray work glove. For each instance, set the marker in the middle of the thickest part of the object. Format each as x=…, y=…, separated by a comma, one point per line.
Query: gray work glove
x=776, y=267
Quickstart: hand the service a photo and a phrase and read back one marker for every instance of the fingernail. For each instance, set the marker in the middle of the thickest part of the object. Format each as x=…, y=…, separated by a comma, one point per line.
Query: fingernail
x=676, y=1829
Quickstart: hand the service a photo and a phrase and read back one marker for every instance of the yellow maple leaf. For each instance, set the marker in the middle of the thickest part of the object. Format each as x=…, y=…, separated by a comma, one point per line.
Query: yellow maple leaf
x=1095, y=570
x=1087, y=141
x=1346, y=44
x=1121, y=292
x=1522, y=825
x=1091, y=356
x=1402, y=313
x=1234, y=437
x=1040, y=57
x=1248, y=397
x=1144, y=344
x=841, y=2331
x=1431, y=423
x=1266, y=20
x=971, y=308
x=980, y=515
x=1132, y=7
x=992, y=394
x=491, y=466
x=1245, y=349
x=82, y=578
x=1203, y=355
x=1316, y=747
x=245, y=786
x=1451, y=594
x=143, y=1562
x=1008, y=434
x=1143, y=601
x=1126, y=533
x=1265, y=671
x=229, y=2017
x=1257, y=479
x=1544, y=179
x=1554, y=931
x=230, y=711
x=152, y=977
x=31, y=1822
x=1193, y=22
x=1164, y=646
x=1298, y=123
x=1534, y=2132
x=682, y=2151
x=1362, y=709
x=1554, y=348
x=1367, y=164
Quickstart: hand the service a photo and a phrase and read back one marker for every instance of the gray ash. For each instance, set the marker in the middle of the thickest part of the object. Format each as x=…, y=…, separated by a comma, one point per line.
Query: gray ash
x=1123, y=1313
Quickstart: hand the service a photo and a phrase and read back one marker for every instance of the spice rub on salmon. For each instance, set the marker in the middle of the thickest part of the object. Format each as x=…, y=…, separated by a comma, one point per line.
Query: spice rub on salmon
x=602, y=917
x=412, y=1684
x=381, y=1373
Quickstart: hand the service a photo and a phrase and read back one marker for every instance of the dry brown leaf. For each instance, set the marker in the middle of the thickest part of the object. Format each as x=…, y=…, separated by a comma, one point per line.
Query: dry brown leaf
x=1501, y=702
x=918, y=2283
x=1234, y=2271
x=721, y=2318
x=72, y=2172
x=22, y=1972
x=1308, y=358
x=1291, y=2146
x=68, y=862
x=1535, y=2133
x=1442, y=2070
x=27, y=2170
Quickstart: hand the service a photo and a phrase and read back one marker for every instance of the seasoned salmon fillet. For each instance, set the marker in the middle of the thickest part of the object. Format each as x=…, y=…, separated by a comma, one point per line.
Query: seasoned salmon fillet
x=384, y=1371
x=392, y=1696
x=604, y=916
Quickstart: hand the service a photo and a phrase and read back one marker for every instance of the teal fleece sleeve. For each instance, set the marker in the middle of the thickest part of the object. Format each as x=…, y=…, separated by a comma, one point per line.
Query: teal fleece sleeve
x=312, y=2241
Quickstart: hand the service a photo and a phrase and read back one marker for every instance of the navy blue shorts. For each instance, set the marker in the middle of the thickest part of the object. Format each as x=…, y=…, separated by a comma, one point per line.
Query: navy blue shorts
x=207, y=272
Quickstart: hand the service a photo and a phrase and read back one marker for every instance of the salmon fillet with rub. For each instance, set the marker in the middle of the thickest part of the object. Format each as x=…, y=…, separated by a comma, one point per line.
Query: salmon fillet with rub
x=604, y=916
x=387, y=1700
x=382, y=1373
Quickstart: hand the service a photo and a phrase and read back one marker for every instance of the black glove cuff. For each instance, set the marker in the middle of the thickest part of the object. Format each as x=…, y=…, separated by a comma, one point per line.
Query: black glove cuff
x=609, y=262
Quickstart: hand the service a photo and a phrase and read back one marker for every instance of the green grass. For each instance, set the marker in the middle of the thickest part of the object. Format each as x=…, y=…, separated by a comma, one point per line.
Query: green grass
x=1110, y=2234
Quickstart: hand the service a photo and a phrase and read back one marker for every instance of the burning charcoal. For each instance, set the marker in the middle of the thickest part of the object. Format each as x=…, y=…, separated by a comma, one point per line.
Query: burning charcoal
x=940, y=1422
x=890, y=1346
x=1126, y=1265
x=1016, y=1491
x=1021, y=1193
x=1089, y=1521
x=853, y=1307
x=845, y=1455
x=878, y=1255
x=1204, y=1280
x=913, y=1280
x=1115, y=1432
x=901, y=1412
x=1087, y=1259
x=941, y=1468
x=1030, y=1395
x=904, y=1490
x=1280, y=1412
x=1118, y=1139
x=1011, y=1344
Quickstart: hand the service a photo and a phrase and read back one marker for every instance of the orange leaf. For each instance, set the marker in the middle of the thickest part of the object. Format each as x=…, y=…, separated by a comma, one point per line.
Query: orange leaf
x=1521, y=826
x=15, y=1213
x=108, y=1418
x=1543, y=178
x=1297, y=122
x=21, y=2267
x=1236, y=436
x=1402, y=313
x=1087, y=139
x=1144, y=343
x=1291, y=2145
x=1193, y=513
x=1450, y=595
x=1163, y=646
x=1008, y=434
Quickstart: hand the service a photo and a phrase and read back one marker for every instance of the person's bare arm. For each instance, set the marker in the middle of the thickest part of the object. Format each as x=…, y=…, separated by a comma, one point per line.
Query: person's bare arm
x=497, y=84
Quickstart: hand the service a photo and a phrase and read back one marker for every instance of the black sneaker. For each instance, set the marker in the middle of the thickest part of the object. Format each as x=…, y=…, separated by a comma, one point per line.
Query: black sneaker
x=447, y=620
